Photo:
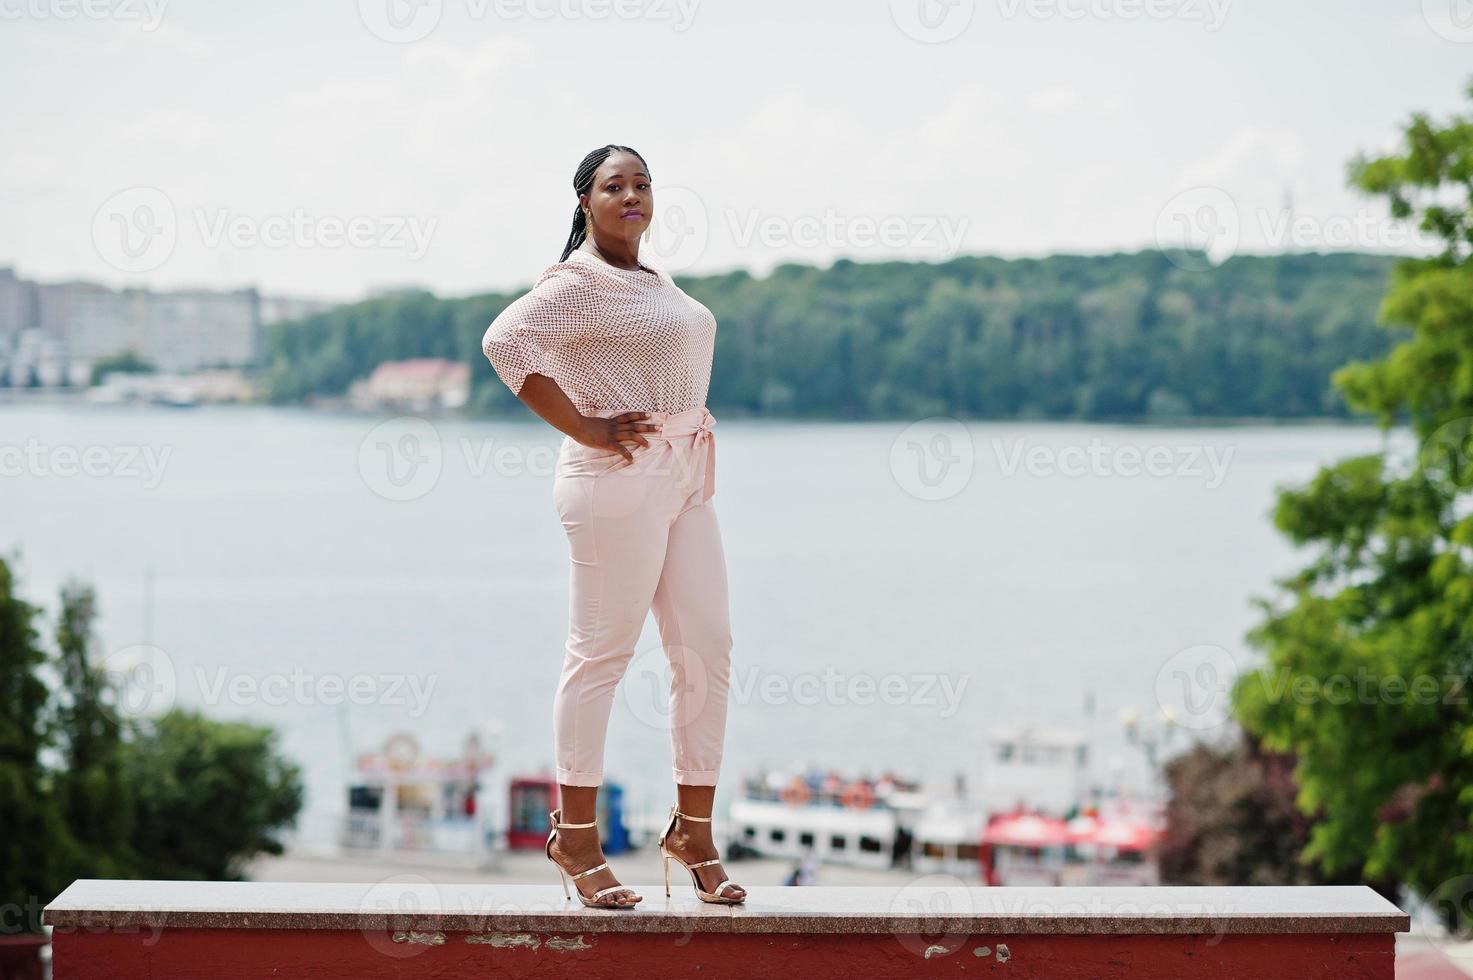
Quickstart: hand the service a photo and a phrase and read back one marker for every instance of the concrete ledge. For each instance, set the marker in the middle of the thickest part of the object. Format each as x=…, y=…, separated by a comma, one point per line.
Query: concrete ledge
x=417, y=929
x=110, y=903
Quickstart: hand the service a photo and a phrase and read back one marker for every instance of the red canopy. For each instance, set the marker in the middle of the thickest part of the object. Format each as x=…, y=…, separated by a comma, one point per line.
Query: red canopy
x=1124, y=835
x=1082, y=828
x=1025, y=830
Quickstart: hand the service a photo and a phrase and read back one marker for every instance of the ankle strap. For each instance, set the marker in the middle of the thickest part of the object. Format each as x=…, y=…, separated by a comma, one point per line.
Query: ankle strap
x=689, y=816
x=553, y=816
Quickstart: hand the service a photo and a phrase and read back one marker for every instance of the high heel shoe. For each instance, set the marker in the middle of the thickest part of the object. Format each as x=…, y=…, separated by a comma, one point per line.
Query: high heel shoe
x=593, y=901
x=714, y=897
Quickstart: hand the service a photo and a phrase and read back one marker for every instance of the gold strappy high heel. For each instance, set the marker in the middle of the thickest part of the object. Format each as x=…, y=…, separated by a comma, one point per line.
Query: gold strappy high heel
x=714, y=897
x=563, y=876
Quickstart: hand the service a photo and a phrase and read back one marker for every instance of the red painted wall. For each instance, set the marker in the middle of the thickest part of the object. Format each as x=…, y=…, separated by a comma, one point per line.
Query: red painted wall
x=288, y=954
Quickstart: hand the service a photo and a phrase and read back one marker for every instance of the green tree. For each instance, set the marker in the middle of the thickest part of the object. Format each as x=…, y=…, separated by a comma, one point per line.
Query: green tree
x=95, y=800
x=87, y=794
x=1125, y=336
x=35, y=847
x=123, y=362
x=1370, y=648
x=210, y=796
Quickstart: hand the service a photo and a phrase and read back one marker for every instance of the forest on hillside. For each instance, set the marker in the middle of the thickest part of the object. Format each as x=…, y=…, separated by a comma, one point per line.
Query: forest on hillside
x=1120, y=336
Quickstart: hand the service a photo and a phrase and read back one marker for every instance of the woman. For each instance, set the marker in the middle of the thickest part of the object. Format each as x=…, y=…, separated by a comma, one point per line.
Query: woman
x=610, y=351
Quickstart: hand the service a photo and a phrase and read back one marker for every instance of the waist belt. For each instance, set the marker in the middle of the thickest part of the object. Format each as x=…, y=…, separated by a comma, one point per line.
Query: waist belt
x=685, y=431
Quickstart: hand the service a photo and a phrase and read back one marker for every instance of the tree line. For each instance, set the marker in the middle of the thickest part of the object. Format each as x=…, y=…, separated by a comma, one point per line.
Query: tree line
x=1108, y=337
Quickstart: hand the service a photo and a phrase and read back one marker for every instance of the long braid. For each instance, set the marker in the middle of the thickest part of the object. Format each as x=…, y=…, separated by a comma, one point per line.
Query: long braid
x=583, y=184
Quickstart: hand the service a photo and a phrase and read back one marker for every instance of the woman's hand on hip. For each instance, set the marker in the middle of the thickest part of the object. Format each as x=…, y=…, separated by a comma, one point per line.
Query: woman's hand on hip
x=611, y=433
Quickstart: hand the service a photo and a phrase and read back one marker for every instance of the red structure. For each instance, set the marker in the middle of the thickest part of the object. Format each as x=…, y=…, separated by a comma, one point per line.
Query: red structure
x=530, y=799
x=289, y=953
x=292, y=931
x=20, y=956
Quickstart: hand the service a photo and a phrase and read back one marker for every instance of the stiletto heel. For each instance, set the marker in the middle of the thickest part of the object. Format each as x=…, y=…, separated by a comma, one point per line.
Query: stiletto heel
x=714, y=897
x=563, y=876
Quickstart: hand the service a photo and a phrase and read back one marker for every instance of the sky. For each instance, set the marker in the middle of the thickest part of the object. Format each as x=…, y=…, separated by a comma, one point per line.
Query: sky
x=333, y=148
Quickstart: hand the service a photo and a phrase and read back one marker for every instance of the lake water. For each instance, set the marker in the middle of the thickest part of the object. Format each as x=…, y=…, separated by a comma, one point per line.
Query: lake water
x=896, y=589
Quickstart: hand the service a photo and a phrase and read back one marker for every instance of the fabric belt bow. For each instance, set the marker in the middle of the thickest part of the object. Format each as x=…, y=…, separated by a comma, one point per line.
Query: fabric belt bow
x=696, y=423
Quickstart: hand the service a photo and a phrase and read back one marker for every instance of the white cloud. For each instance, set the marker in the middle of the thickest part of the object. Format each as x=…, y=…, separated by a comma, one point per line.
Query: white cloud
x=1253, y=159
x=1056, y=98
x=1040, y=146
x=109, y=37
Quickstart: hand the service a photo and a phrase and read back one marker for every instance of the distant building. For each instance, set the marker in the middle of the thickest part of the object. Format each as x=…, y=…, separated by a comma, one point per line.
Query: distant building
x=187, y=330
x=420, y=384
x=35, y=358
x=17, y=307
x=55, y=332
x=397, y=289
x=199, y=387
x=276, y=309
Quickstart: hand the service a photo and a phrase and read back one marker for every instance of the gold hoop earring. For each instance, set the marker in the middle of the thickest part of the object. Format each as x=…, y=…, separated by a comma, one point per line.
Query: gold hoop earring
x=647, y=229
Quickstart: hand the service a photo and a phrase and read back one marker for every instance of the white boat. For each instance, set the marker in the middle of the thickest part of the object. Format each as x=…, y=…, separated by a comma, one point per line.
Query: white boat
x=834, y=819
x=890, y=822
x=835, y=835
x=948, y=839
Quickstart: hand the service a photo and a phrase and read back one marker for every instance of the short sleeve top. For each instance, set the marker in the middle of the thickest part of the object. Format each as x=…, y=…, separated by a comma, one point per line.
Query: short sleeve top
x=611, y=338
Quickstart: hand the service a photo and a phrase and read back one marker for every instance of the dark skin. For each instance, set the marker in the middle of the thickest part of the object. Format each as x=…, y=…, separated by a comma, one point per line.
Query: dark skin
x=620, y=187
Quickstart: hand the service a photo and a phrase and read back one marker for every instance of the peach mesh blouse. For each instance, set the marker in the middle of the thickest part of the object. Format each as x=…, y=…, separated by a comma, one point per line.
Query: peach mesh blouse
x=610, y=338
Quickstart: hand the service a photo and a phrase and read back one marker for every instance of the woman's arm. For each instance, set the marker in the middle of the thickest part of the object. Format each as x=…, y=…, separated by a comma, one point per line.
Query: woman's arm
x=543, y=395
x=562, y=309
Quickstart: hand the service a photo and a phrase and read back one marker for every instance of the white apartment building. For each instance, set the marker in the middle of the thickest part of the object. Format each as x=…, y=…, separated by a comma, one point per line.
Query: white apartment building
x=77, y=323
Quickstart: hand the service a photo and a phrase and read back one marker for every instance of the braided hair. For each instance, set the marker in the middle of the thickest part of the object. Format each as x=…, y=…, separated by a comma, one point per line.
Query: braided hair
x=583, y=184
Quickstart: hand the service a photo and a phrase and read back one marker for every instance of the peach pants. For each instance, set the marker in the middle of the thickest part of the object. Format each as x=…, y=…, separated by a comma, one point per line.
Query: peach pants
x=642, y=535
